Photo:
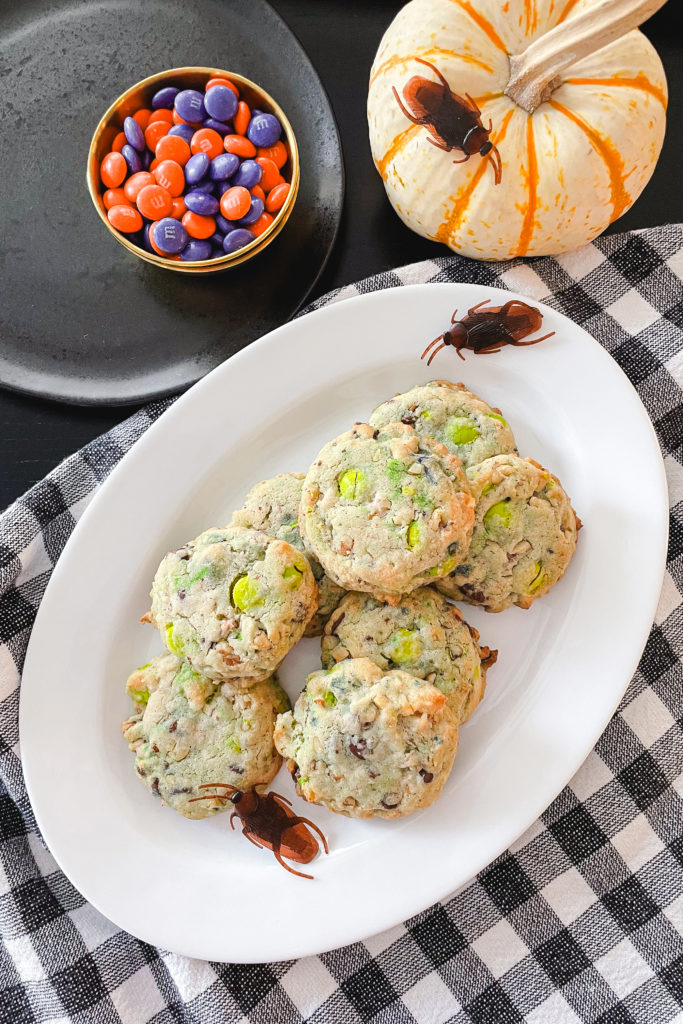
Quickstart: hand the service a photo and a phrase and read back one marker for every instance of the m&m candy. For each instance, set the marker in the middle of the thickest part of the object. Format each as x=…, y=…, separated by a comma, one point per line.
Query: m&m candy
x=196, y=174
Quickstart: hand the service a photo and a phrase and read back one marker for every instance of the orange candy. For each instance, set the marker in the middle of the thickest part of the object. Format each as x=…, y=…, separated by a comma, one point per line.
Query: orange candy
x=270, y=176
x=114, y=197
x=198, y=226
x=142, y=117
x=161, y=115
x=125, y=218
x=236, y=203
x=238, y=145
x=260, y=225
x=276, y=153
x=276, y=197
x=154, y=164
x=113, y=170
x=222, y=81
x=155, y=202
x=242, y=118
x=206, y=140
x=119, y=142
x=135, y=183
x=154, y=133
x=179, y=207
x=169, y=175
x=173, y=147
x=259, y=193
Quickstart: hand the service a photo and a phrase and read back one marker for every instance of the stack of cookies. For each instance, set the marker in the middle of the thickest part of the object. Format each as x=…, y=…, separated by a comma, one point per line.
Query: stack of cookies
x=427, y=503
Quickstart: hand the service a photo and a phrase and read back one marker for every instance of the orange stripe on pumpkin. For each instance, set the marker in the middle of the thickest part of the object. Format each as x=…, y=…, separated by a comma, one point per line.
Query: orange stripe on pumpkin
x=639, y=82
x=567, y=11
x=609, y=155
x=532, y=183
x=425, y=52
x=406, y=135
x=483, y=23
x=461, y=202
x=395, y=148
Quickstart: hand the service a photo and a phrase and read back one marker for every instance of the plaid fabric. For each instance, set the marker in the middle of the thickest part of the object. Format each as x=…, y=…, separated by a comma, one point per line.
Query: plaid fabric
x=582, y=920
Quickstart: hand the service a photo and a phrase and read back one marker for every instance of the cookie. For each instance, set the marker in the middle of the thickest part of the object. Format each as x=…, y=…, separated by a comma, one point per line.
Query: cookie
x=423, y=635
x=524, y=535
x=273, y=507
x=233, y=602
x=449, y=413
x=386, y=511
x=368, y=743
x=182, y=742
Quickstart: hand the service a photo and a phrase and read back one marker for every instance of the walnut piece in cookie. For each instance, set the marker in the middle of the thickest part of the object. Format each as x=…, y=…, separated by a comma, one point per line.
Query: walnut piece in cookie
x=386, y=511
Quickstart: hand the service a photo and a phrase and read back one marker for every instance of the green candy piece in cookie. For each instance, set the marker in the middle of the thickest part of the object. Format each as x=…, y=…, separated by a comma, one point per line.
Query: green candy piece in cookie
x=539, y=578
x=414, y=533
x=461, y=430
x=174, y=644
x=499, y=514
x=140, y=696
x=246, y=594
x=495, y=416
x=352, y=484
x=405, y=646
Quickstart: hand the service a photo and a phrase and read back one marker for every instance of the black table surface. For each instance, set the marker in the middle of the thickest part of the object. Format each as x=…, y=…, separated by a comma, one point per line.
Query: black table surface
x=341, y=37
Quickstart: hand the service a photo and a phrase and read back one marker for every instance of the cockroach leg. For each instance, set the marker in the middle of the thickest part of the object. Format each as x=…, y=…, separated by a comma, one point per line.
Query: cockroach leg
x=436, y=352
x=436, y=72
x=406, y=112
x=534, y=341
x=278, y=858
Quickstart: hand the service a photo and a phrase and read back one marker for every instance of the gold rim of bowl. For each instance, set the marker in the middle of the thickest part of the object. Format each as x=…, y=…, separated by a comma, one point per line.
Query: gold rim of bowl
x=140, y=95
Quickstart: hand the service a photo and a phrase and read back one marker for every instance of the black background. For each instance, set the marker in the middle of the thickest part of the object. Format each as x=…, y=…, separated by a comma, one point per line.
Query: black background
x=341, y=37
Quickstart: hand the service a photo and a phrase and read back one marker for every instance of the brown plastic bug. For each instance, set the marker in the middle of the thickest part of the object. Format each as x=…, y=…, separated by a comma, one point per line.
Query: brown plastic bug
x=453, y=121
x=487, y=330
x=268, y=821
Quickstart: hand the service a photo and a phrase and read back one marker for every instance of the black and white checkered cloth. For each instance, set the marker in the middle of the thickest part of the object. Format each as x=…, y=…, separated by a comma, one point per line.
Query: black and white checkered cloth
x=582, y=920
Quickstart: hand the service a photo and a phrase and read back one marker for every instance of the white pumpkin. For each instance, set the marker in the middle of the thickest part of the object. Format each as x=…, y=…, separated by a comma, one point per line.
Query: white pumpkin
x=569, y=168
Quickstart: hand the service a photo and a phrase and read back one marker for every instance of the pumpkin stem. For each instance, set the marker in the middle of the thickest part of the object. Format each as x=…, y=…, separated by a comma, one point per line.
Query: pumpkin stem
x=535, y=73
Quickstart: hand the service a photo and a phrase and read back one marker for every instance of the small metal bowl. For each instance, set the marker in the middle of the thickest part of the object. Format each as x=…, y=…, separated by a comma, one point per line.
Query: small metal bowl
x=140, y=95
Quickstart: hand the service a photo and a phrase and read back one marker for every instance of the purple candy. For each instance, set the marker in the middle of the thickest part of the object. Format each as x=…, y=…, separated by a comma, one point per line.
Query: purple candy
x=170, y=235
x=217, y=252
x=190, y=105
x=146, y=244
x=264, y=129
x=223, y=166
x=217, y=240
x=223, y=186
x=196, y=168
x=185, y=131
x=200, y=202
x=146, y=159
x=132, y=158
x=196, y=249
x=237, y=239
x=248, y=174
x=254, y=213
x=221, y=102
x=223, y=224
x=163, y=99
x=205, y=186
x=218, y=126
x=134, y=134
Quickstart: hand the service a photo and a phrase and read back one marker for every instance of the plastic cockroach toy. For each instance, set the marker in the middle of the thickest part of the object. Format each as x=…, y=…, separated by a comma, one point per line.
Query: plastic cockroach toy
x=487, y=330
x=267, y=820
x=453, y=121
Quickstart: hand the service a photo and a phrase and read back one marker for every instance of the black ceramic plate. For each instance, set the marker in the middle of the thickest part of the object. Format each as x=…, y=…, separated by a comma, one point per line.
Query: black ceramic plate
x=82, y=320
